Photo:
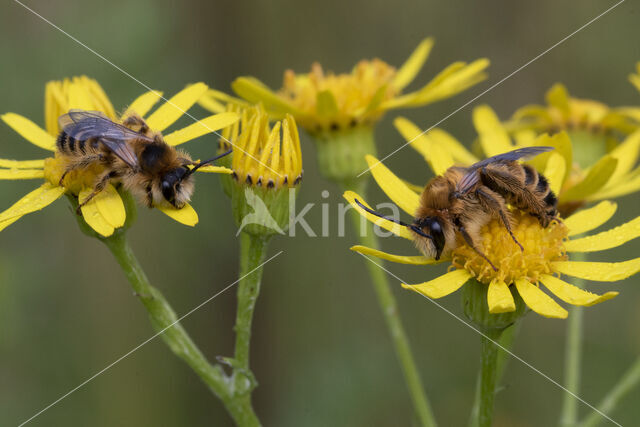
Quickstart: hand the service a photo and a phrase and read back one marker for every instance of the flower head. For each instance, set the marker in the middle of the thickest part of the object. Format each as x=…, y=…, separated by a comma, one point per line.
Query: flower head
x=613, y=175
x=324, y=101
x=106, y=211
x=267, y=167
x=544, y=258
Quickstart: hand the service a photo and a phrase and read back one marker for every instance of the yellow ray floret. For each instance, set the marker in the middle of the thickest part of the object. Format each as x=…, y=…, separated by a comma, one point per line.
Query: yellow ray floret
x=396, y=229
x=393, y=186
x=538, y=301
x=441, y=286
x=591, y=218
x=400, y=259
x=572, y=294
x=599, y=271
x=499, y=297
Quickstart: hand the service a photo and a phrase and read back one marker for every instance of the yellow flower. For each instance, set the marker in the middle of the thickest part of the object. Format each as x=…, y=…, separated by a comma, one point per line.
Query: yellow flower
x=544, y=257
x=613, y=175
x=635, y=78
x=105, y=212
x=326, y=102
x=267, y=166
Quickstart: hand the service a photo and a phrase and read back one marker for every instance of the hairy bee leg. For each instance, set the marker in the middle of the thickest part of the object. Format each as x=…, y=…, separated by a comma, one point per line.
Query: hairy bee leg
x=136, y=123
x=467, y=238
x=149, y=197
x=503, y=215
x=102, y=183
x=80, y=164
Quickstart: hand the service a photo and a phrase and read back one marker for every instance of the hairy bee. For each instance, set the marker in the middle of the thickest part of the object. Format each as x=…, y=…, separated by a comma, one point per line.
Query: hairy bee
x=130, y=153
x=463, y=200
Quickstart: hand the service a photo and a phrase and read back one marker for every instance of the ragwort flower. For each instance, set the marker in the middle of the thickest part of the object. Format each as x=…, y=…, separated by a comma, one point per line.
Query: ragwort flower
x=105, y=212
x=613, y=175
x=340, y=110
x=267, y=171
x=544, y=259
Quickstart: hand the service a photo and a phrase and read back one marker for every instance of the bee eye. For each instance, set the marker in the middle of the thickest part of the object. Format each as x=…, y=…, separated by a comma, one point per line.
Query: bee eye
x=167, y=190
x=435, y=229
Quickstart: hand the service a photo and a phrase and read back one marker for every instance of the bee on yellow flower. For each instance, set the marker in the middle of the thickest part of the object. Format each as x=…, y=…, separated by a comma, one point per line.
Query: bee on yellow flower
x=106, y=211
x=544, y=254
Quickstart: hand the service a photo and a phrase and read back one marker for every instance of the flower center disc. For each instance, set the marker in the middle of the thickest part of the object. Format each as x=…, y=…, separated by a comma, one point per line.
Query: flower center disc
x=542, y=246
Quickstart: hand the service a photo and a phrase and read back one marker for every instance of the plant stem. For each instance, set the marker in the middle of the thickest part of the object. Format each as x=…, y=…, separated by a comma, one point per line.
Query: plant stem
x=488, y=376
x=506, y=341
x=573, y=358
x=628, y=382
x=165, y=322
x=398, y=335
x=253, y=249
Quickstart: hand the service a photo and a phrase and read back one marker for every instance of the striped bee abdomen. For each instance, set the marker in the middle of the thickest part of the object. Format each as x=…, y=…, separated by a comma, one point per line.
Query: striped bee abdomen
x=69, y=145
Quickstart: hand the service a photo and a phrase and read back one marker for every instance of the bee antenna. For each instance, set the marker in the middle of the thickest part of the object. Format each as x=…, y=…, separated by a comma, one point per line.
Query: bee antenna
x=206, y=162
x=396, y=221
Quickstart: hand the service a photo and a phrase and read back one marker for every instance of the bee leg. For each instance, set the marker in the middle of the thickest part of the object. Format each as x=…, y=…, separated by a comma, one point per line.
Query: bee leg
x=136, y=123
x=496, y=206
x=102, y=183
x=149, y=196
x=467, y=238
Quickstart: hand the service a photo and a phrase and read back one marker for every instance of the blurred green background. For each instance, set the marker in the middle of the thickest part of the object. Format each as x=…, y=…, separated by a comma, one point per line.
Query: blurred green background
x=320, y=351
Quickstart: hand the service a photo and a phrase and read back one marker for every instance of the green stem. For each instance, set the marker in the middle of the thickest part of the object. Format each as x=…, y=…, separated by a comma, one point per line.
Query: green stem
x=628, y=382
x=165, y=322
x=573, y=359
x=488, y=376
x=506, y=341
x=398, y=335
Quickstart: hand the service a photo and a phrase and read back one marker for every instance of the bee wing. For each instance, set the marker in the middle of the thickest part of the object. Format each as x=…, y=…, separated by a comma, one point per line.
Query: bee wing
x=472, y=176
x=83, y=125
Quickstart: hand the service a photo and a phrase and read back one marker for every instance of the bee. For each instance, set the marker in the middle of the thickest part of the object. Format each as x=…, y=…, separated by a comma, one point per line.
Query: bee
x=131, y=154
x=463, y=200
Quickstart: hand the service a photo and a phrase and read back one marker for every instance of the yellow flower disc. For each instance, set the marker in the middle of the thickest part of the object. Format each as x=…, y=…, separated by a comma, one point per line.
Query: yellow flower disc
x=542, y=246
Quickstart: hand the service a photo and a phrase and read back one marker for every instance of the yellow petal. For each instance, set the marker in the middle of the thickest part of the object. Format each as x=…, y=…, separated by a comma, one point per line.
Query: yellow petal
x=436, y=155
x=493, y=136
x=326, y=104
x=201, y=127
x=499, y=297
x=558, y=96
x=607, y=239
x=538, y=301
x=92, y=215
x=396, y=229
x=619, y=189
x=174, y=108
x=393, y=186
x=555, y=171
x=375, y=102
x=591, y=218
x=573, y=294
x=35, y=200
x=458, y=151
x=627, y=155
x=215, y=169
x=110, y=206
x=142, y=104
x=21, y=173
x=30, y=131
x=21, y=164
x=254, y=91
x=454, y=79
x=635, y=80
x=596, y=179
x=441, y=286
x=413, y=64
x=187, y=215
x=211, y=104
x=598, y=271
x=400, y=259
x=563, y=146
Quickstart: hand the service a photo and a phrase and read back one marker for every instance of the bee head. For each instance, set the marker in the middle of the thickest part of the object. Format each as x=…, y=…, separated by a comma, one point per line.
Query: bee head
x=177, y=186
x=430, y=236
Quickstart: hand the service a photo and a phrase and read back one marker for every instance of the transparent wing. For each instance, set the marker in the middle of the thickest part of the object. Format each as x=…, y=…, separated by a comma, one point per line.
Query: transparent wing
x=83, y=125
x=472, y=176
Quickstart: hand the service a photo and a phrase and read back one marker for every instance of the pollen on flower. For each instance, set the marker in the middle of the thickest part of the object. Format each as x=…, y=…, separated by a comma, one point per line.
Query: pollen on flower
x=542, y=246
x=74, y=181
x=336, y=101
